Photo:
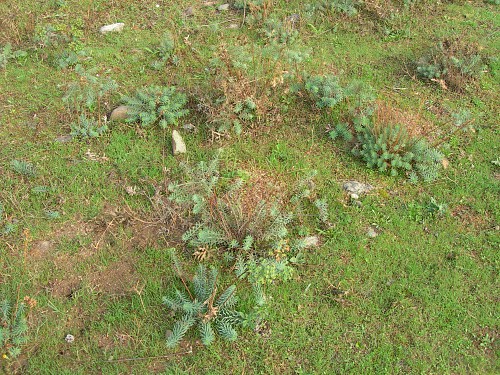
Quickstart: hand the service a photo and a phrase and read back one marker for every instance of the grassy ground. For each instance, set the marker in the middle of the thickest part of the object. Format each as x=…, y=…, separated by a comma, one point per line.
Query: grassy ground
x=421, y=297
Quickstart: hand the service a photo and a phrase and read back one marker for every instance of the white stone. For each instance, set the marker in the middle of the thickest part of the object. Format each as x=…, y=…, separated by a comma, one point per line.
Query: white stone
x=178, y=145
x=223, y=7
x=69, y=338
x=115, y=27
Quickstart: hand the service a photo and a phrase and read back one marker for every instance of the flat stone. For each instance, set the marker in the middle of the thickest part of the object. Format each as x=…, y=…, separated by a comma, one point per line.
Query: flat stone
x=64, y=138
x=311, y=241
x=355, y=187
x=113, y=28
x=41, y=249
x=119, y=113
x=178, y=145
x=223, y=7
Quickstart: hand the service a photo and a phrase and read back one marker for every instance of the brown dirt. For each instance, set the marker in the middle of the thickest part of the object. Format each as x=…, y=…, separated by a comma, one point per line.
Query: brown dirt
x=65, y=287
x=117, y=279
x=486, y=339
x=414, y=124
x=471, y=218
x=260, y=187
x=106, y=234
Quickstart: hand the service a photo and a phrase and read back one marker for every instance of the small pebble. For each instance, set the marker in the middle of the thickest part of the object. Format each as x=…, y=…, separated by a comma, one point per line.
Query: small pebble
x=189, y=127
x=371, y=232
x=69, y=338
x=354, y=196
x=223, y=7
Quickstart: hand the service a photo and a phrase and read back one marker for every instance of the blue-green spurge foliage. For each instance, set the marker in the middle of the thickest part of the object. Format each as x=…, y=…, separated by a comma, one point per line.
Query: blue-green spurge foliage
x=13, y=328
x=201, y=306
x=156, y=105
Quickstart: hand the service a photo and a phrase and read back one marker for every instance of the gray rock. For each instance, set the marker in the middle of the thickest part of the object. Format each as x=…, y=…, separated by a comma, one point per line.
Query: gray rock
x=233, y=26
x=178, y=145
x=223, y=7
x=119, y=113
x=355, y=187
x=371, y=232
x=354, y=196
x=113, y=28
x=64, y=138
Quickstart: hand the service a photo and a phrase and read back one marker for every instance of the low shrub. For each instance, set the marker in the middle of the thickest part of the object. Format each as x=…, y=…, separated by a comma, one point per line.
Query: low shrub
x=391, y=142
x=452, y=63
x=226, y=215
x=389, y=149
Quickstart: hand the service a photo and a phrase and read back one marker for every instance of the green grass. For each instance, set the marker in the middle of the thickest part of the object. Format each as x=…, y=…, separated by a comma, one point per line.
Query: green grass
x=421, y=297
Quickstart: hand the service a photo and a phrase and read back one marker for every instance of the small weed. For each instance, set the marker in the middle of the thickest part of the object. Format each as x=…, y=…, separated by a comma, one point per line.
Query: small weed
x=88, y=93
x=86, y=127
x=326, y=91
x=259, y=234
x=6, y=54
x=389, y=148
x=23, y=168
x=67, y=59
x=347, y=7
x=248, y=78
x=165, y=51
x=419, y=212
